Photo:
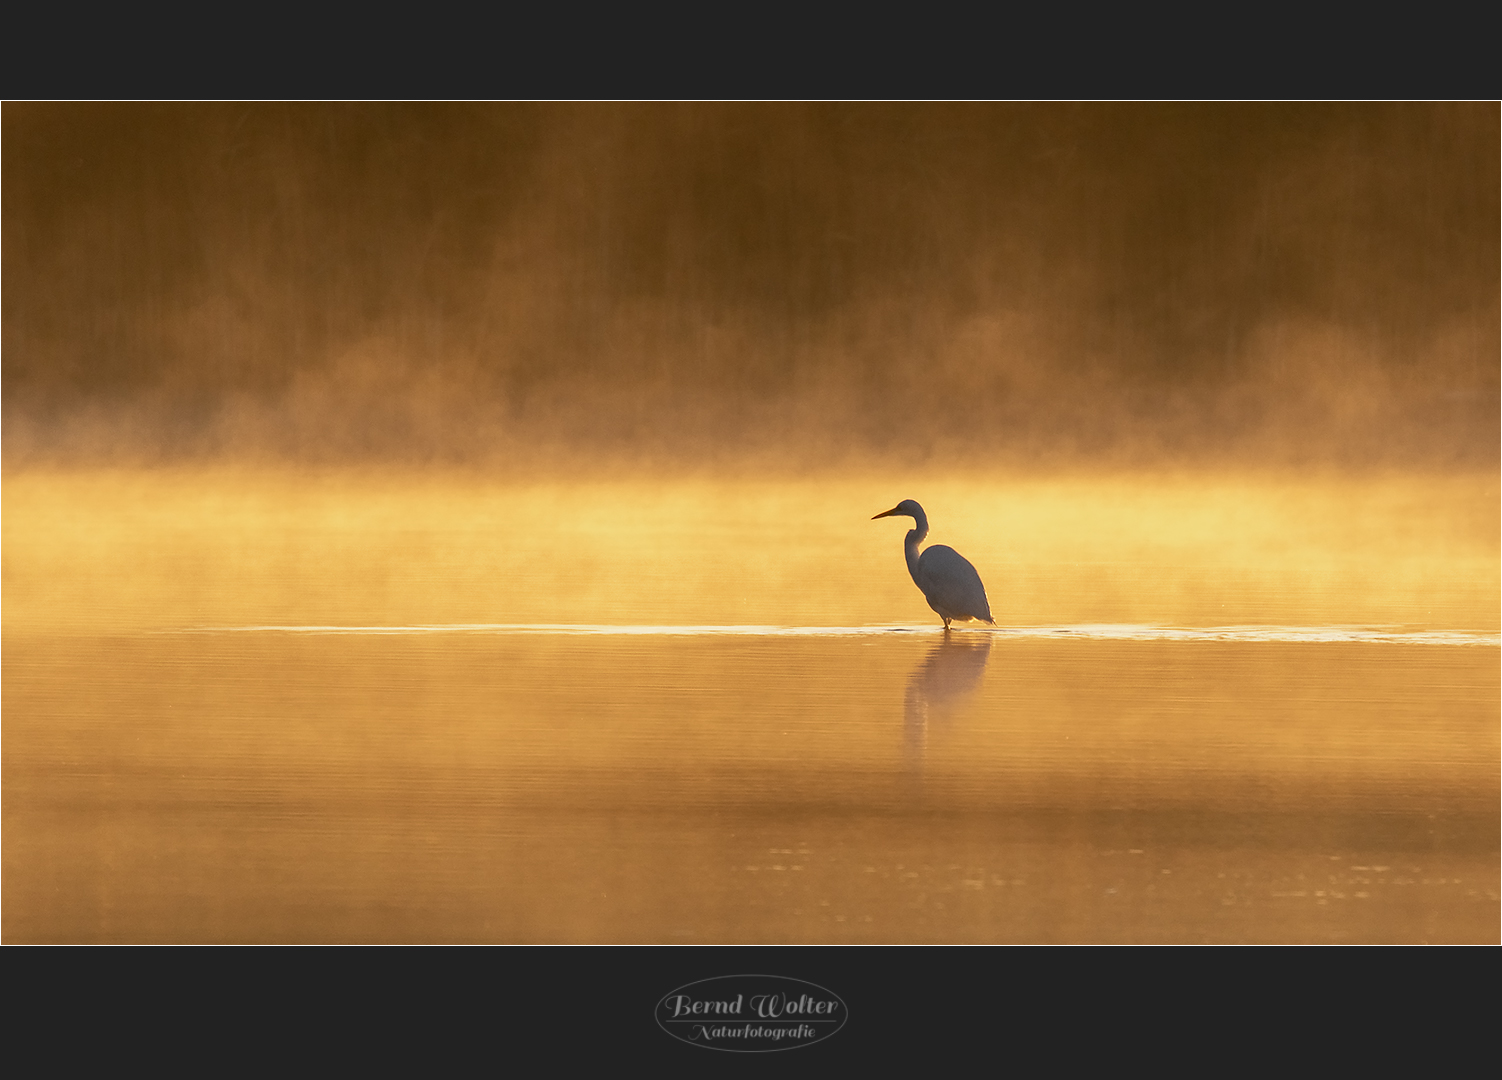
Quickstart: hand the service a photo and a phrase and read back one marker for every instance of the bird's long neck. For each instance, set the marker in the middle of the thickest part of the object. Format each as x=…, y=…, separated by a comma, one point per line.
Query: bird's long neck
x=910, y=544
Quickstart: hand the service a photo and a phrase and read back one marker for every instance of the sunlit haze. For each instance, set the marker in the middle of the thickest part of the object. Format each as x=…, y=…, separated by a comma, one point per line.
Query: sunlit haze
x=452, y=522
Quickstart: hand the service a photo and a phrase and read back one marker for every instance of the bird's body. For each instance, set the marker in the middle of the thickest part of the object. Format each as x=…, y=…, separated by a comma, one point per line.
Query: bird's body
x=942, y=574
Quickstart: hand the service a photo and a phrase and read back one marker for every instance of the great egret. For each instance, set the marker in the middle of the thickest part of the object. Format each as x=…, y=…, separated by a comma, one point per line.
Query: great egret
x=945, y=577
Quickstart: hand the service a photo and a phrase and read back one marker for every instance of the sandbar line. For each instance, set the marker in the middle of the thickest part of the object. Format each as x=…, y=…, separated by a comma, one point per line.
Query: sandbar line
x=1088, y=632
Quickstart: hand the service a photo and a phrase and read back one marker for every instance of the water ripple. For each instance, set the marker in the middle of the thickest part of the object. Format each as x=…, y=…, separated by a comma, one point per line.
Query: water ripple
x=1093, y=632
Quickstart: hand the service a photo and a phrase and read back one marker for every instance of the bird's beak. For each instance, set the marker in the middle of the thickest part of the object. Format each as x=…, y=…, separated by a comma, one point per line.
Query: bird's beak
x=886, y=513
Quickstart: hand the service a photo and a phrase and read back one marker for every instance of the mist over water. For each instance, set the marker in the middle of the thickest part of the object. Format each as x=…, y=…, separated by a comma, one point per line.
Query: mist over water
x=453, y=523
x=1063, y=284
x=128, y=550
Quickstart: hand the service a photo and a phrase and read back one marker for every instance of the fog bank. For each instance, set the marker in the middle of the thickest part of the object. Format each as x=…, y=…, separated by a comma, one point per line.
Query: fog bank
x=1020, y=283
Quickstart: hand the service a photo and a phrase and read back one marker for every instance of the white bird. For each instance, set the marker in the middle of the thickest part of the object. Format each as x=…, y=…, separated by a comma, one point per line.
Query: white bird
x=945, y=577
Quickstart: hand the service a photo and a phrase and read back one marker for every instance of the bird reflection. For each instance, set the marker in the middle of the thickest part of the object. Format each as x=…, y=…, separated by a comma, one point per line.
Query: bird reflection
x=948, y=675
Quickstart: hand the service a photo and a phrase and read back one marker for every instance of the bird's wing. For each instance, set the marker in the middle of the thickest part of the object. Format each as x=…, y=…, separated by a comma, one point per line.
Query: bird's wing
x=950, y=582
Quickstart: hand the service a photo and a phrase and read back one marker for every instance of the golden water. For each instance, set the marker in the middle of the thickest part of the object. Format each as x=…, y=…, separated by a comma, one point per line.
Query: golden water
x=248, y=706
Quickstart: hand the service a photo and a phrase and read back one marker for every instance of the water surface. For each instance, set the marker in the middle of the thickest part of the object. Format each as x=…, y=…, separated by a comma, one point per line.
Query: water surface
x=335, y=710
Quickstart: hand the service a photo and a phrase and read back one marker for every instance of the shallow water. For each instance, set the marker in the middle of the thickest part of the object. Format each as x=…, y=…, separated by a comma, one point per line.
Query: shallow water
x=278, y=709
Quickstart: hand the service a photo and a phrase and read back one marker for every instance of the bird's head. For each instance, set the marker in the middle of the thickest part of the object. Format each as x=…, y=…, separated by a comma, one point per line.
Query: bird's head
x=906, y=508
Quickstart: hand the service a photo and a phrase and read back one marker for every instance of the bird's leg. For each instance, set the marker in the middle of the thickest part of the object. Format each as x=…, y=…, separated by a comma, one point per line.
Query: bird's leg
x=946, y=624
